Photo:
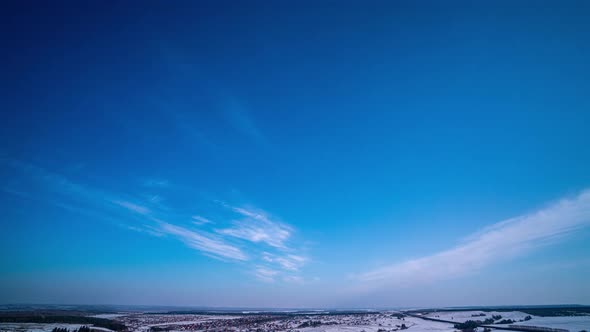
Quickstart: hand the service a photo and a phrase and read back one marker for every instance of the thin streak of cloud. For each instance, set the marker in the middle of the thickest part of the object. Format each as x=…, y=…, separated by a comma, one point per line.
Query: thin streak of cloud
x=288, y=262
x=145, y=214
x=133, y=207
x=156, y=183
x=84, y=211
x=265, y=274
x=501, y=241
x=204, y=242
x=241, y=120
x=256, y=226
x=146, y=229
x=294, y=279
x=54, y=182
x=156, y=199
x=36, y=183
x=198, y=220
x=88, y=201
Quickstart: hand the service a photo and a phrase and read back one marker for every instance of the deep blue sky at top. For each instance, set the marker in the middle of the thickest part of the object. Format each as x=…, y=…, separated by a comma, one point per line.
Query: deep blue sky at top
x=379, y=131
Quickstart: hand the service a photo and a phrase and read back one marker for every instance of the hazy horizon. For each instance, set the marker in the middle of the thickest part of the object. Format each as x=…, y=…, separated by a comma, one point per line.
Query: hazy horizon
x=267, y=154
x=160, y=307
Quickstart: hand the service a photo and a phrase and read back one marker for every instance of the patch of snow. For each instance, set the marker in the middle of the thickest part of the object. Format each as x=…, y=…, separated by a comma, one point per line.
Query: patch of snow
x=463, y=316
x=108, y=316
x=420, y=325
x=37, y=327
x=572, y=323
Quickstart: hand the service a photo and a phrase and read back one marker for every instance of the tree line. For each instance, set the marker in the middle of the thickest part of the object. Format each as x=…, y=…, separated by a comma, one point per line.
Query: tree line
x=63, y=329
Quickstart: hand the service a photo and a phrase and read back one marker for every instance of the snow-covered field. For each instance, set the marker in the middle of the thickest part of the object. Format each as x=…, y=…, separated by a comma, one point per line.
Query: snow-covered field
x=108, y=316
x=367, y=322
x=38, y=327
x=462, y=316
x=376, y=322
x=186, y=322
x=420, y=325
x=572, y=323
x=353, y=322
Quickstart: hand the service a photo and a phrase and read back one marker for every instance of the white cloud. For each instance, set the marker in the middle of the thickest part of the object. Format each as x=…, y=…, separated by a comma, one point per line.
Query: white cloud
x=133, y=207
x=501, y=241
x=203, y=241
x=198, y=220
x=150, y=230
x=265, y=274
x=293, y=279
x=156, y=183
x=156, y=199
x=145, y=214
x=288, y=262
x=53, y=184
x=257, y=227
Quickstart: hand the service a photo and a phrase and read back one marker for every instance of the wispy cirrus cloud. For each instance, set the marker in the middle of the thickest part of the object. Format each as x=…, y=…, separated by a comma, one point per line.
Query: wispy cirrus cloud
x=209, y=243
x=239, y=117
x=156, y=199
x=256, y=226
x=239, y=239
x=294, y=279
x=259, y=227
x=146, y=229
x=289, y=262
x=265, y=274
x=498, y=242
x=156, y=183
x=204, y=242
x=33, y=182
x=133, y=207
x=198, y=220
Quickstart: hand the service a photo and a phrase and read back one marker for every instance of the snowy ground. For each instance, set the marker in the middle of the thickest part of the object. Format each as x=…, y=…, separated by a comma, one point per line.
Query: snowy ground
x=361, y=322
x=420, y=325
x=39, y=327
x=368, y=322
x=108, y=316
x=462, y=316
x=572, y=323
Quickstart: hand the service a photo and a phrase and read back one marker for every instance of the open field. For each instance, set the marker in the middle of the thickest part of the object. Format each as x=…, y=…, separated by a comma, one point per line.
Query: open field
x=431, y=320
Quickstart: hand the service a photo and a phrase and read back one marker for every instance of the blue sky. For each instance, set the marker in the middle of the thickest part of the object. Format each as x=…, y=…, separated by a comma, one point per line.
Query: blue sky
x=266, y=154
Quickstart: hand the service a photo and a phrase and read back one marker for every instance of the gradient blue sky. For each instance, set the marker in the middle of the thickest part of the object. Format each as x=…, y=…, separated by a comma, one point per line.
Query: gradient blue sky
x=295, y=154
